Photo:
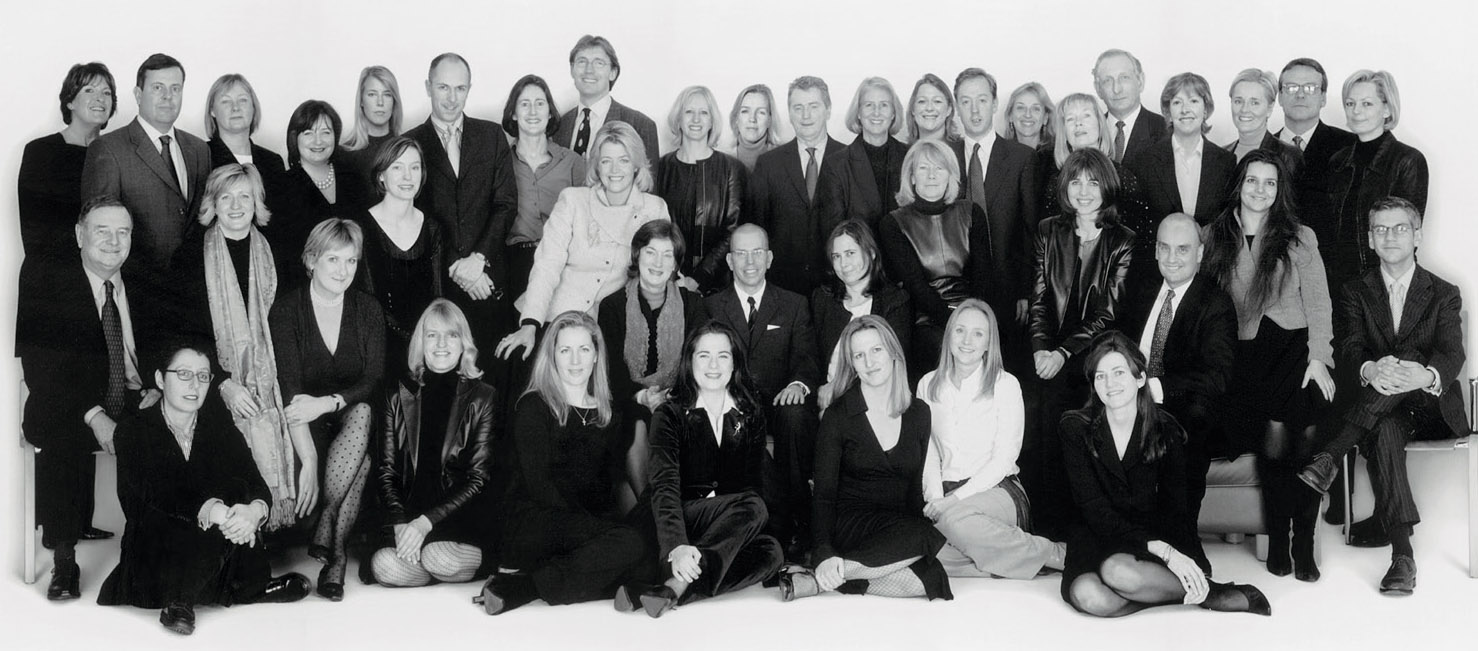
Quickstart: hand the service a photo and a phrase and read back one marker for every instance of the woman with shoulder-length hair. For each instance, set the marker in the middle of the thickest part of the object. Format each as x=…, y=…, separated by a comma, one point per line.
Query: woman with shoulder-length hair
x=868, y=521
x=377, y=118
x=563, y=526
x=931, y=110
x=703, y=187
x=50, y=187
x=1029, y=116
x=1252, y=95
x=866, y=186
x=858, y=286
x=232, y=114
x=542, y=168
x=752, y=119
x=1127, y=469
x=1185, y=172
x=434, y=457
x=310, y=191
x=1269, y=264
x=702, y=506
x=971, y=490
x=588, y=235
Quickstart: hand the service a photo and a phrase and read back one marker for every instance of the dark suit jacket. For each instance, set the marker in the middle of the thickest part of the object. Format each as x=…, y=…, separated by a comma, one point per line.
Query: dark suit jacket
x=1431, y=334
x=1292, y=158
x=1200, y=349
x=1155, y=169
x=1316, y=208
x=831, y=317
x=64, y=358
x=688, y=463
x=1149, y=128
x=782, y=345
x=1011, y=212
x=267, y=162
x=125, y=165
x=777, y=201
x=477, y=206
x=644, y=126
x=852, y=192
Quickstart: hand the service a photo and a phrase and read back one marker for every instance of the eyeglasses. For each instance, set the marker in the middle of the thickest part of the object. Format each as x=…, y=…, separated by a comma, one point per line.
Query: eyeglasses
x=1399, y=229
x=184, y=374
x=1308, y=89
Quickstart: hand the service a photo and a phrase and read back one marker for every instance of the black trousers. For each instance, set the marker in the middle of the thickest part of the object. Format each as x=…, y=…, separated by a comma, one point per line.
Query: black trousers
x=573, y=557
x=794, y=430
x=64, y=493
x=1042, y=472
x=727, y=530
x=1382, y=425
x=1200, y=428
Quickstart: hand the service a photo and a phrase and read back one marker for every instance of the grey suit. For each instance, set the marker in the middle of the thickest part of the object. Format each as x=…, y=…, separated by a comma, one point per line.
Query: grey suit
x=644, y=126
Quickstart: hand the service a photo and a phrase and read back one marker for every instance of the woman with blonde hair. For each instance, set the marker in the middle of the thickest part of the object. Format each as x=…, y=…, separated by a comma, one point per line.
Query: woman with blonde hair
x=704, y=188
x=752, y=119
x=866, y=186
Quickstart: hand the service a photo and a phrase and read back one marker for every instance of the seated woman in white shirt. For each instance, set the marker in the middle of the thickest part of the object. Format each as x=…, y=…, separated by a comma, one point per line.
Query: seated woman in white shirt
x=970, y=487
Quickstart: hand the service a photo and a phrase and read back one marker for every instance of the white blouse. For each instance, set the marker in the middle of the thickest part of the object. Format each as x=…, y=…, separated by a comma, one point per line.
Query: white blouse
x=972, y=437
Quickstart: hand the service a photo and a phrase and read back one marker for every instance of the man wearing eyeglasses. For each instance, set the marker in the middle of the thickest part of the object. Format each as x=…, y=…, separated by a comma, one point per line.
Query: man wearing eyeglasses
x=594, y=68
x=1302, y=92
x=1405, y=344
x=79, y=346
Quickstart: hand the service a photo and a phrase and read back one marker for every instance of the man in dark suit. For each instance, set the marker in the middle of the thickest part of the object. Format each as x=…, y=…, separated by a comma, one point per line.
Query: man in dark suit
x=157, y=171
x=594, y=67
x=1187, y=328
x=782, y=190
x=78, y=342
x=1119, y=79
x=1402, y=357
x=470, y=189
x=781, y=347
x=1000, y=178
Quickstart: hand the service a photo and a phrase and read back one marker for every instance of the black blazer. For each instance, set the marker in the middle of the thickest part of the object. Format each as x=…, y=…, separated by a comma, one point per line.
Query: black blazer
x=476, y=207
x=1200, y=349
x=1398, y=170
x=688, y=463
x=1010, y=212
x=1316, y=206
x=611, y=316
x=1292, y=158
x=1057, y=259
x=267, y=162
x=156, y=481
x=645, y=127
x=831, y=317
x=1155, y=169
x=64, y=358
x=781, y=346
x=466, y=449
x=1149, y=128
x=1431, y=334
x=304, y=365
x=777, y=201
x=1125, y=503
x=852, y=191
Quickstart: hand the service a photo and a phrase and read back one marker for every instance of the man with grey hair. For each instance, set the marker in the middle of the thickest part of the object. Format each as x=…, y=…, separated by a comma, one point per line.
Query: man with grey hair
x=1119, y=79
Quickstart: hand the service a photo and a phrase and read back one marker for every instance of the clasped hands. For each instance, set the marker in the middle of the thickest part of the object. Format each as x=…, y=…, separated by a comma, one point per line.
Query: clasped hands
x=409, y=538
x=237, y=523
x=469, y=275
x=1391, y=376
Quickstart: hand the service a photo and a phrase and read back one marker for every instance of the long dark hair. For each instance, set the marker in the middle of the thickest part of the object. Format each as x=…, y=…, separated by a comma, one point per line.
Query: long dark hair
x=1279, y=233
x=741, y=385
x=1099, y=167
x=1151, y=436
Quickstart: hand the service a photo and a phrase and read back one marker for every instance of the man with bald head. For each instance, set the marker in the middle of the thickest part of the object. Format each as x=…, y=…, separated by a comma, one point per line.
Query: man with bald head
x=1119, y=79
x=1186, y=327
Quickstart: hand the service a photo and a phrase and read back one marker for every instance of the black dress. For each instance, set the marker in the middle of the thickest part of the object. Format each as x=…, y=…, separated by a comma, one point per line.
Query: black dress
x=354, y=168
x=704, y=199
x=405, y=281
x=297, y=206
x=50, y=194
x=164, y=556
x=869, y=503
x=306, y=367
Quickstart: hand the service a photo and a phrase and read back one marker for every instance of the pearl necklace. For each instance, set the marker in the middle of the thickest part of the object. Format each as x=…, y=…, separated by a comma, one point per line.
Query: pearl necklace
x=328, y=182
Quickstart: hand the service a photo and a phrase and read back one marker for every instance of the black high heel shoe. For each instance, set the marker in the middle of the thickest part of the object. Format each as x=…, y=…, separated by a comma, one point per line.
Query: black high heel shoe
x=329, y=586
x=658, y=600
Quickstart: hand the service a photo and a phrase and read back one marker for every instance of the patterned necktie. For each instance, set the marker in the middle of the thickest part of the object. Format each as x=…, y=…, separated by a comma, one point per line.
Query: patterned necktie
x=1162, y=332
x=113, y=336
x=1398, y=302
x=582, y=137
x=451, y=139
x=1298, y=141
x=752, y=309
x=811, y=174
x=169, y=162
x=1119, y=142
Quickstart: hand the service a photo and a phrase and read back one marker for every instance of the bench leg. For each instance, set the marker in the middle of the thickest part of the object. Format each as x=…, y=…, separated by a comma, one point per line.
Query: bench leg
x=1260, y=547
x=1472, y=509
x=28, y=477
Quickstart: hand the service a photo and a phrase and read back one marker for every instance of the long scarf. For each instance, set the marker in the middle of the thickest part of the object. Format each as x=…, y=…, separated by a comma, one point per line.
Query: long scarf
x=244, y=348
x=669, y=336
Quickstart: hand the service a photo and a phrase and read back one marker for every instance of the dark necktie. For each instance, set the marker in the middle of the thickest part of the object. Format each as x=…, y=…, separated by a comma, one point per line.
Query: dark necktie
x=749, y=318
x=113, y=336
x=1162, y=332
x=1298, y=141
x=810, y=175
x=977, y=185
x=1119, y=142
x=169, y=162
x=582, y=137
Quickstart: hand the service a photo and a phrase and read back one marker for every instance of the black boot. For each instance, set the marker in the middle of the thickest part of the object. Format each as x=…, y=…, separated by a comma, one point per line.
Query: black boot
x=1275, y=516
x=1304, y=567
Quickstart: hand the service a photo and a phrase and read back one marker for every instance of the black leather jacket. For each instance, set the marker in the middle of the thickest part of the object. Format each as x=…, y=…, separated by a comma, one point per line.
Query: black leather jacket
x=1057, y=257
x=466, y=453
x=1398, y=170
x=705, y=211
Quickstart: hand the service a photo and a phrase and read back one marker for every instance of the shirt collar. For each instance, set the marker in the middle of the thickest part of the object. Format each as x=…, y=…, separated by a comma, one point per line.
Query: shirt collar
x=155, y=133
x=759, y=296
x=1404, y=278
x=1129, y=120
x=448, y=128
x=601, y=107
x=986, y=145
x=96, y=282
x=1195, y=152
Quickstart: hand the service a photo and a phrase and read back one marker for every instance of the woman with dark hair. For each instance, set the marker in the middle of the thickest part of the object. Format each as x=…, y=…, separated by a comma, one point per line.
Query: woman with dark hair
x=542, y=168
x=194, y=503
x=859, y=286
x=1270, y=265
x=1185, y=172
x=232, y=114
x=1079, y=123
x=702, y=502
x=931, y=108
x=1029, y=116
x=1126, y=460
x=377, y=119
x=563, y=530
x=702, y=186
x=435, y=457
x=935, y=243
x=1082, y=258
x=310, y=191
x=866, y=186
x=330, y=347
x=649, y=318
x=403, y=256
x=868, y=521
x=755, y=130
x=50, y=187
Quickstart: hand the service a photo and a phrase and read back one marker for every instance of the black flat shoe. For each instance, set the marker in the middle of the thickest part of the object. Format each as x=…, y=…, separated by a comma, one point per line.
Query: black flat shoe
x=1257, y=602
x=503, y=592
x=657, y=601
x=66, y=580
x=287, y=589
x=94, y=533
x=328, y=588
x=179, y=618
x=1400, y=579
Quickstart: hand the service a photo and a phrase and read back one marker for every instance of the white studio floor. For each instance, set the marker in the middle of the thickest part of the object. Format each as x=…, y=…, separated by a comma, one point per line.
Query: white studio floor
x=1342, y=611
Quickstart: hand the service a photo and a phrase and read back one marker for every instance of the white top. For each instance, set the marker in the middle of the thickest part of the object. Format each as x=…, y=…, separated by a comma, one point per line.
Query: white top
x=1188, y=173
x=986, y=145
x=972, y=437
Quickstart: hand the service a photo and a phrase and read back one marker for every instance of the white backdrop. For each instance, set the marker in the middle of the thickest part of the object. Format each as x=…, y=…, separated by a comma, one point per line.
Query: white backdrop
x=292, y=51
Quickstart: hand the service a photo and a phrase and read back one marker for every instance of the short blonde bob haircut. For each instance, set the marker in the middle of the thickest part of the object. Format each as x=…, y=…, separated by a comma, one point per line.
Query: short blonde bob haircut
x=1385, y=88
x=854, y=109
x=676, y=123
x=935, y=152
x=226, y=177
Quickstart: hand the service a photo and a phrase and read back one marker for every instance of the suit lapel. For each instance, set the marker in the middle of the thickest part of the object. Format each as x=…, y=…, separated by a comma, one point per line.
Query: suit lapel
x=1417, y=298
x=1207, y=195
x=144, y=148
x=436, y=154
x=1103, y=442
x=861, y=171
x=1379, y=302
x=769, y=304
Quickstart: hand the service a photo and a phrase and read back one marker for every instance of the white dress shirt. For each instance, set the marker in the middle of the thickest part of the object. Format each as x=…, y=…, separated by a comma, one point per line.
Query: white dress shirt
x=1188, y=173
x=1286, y=135
x=1148, y=337
x=986, y=146
x=972, y=437
x=1129, y=120
x=806, y=156
x=598, y=112
x=176, y=154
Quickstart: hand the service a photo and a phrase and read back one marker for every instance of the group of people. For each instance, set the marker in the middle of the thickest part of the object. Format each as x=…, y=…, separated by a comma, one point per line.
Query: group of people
x=585, y=371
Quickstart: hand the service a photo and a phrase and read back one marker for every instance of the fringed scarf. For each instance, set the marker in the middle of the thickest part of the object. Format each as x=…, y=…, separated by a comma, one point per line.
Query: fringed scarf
x=244, y=348
x=670, y=329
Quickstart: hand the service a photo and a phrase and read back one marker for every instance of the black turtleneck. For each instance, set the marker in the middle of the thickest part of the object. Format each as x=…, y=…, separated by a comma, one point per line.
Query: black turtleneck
x=929, y=207
x=437, y=392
